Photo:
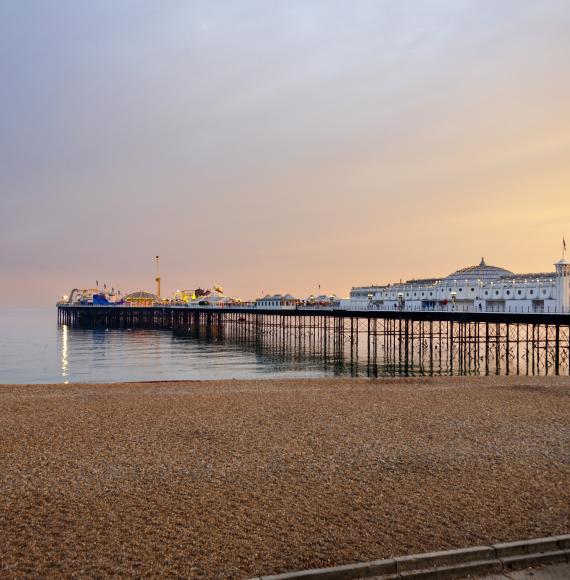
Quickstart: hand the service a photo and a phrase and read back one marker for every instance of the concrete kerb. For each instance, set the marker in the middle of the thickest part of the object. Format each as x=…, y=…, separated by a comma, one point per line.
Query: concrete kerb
x=449, y=564
x=444, y=559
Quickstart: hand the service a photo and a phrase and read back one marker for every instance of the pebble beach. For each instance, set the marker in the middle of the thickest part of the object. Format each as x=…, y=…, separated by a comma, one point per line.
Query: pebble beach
x=234, y=479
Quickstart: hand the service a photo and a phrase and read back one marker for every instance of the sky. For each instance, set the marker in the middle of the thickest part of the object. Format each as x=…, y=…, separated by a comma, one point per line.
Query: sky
x=279, y=146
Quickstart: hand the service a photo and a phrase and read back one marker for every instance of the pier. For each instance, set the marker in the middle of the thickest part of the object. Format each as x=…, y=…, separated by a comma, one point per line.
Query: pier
x=393, y=342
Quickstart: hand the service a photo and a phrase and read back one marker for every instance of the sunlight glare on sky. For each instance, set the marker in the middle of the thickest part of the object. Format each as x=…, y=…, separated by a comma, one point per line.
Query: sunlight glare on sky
x=274, y=146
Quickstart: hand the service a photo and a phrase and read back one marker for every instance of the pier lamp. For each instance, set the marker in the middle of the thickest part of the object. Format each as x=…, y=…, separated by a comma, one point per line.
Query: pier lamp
x=401, y=300
x=453, y=298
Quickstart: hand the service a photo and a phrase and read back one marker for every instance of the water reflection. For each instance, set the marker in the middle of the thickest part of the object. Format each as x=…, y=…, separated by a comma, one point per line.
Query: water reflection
x=419, y=348
x=309, y=355
x=88, y=355
x=139, y=354
x=33, y=349
x=64, y=359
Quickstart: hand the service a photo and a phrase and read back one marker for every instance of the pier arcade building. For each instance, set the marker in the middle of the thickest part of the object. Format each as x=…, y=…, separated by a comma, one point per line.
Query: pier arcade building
x=481, y=287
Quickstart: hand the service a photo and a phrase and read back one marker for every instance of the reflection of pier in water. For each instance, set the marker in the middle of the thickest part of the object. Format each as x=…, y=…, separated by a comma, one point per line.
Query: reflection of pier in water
x=303, y=353
x=365, y=343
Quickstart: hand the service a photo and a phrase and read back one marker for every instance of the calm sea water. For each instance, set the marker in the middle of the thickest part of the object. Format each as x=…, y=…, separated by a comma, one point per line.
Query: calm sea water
x=34, y=349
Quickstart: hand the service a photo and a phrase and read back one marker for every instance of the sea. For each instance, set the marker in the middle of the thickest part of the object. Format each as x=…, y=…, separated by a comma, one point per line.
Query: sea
x=35, y=349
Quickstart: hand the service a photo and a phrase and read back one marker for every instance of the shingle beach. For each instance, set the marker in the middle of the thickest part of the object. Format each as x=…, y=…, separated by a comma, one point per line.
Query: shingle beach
x=233, y=479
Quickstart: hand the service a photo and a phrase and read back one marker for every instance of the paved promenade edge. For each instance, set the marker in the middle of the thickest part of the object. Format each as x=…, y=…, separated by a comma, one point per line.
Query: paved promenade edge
x=472, y=561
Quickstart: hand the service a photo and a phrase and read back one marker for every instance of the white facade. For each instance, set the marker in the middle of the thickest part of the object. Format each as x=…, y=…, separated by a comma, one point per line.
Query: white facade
x=480, y=288
x=277, y=301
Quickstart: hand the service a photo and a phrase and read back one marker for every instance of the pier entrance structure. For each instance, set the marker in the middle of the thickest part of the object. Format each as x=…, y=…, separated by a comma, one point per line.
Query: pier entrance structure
x=380, y=342
x=478, y=288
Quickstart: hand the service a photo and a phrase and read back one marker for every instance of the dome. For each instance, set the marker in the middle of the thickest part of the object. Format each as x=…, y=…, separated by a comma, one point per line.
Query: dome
x=481, y=272
x=142, y=296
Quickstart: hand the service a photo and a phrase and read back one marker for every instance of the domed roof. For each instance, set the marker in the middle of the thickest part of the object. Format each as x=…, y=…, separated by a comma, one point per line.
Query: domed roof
x=142, y=295
x=482, y=272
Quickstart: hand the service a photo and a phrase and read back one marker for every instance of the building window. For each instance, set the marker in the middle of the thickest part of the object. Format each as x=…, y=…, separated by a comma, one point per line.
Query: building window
x=472, y=289
x=531, y=292
x=520, y=292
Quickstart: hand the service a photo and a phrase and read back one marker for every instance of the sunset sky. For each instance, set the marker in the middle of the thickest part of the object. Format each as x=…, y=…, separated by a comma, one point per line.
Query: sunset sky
x=271, y=146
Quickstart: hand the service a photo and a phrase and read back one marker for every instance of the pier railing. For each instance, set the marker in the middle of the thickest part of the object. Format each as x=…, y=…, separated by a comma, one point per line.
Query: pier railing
x=468, y=308
x=463, y=308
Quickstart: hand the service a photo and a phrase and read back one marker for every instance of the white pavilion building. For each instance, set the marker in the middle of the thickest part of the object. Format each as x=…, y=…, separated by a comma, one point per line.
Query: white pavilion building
x=480, y=288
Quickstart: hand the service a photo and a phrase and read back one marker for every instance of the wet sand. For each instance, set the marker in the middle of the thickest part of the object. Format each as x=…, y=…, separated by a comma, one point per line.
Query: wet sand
x=239, y=478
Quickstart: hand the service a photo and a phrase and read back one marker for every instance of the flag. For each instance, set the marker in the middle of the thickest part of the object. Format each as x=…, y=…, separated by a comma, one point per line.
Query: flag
x=563, y=244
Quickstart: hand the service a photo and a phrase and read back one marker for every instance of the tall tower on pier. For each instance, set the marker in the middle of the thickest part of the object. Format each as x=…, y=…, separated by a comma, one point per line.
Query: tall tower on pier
x=157, y=279
x=563, y=284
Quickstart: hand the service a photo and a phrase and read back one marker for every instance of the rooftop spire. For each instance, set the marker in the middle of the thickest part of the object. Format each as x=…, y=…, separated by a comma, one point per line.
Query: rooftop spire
x=482, y=262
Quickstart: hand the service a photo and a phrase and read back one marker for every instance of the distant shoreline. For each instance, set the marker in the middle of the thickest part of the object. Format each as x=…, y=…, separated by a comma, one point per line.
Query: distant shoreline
x=237, y=478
